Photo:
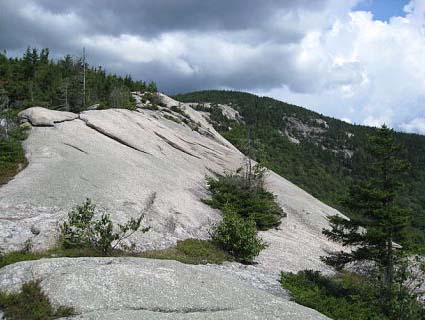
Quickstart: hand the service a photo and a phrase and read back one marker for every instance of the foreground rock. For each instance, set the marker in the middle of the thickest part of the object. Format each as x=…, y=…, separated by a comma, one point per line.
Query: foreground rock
x=132, y=288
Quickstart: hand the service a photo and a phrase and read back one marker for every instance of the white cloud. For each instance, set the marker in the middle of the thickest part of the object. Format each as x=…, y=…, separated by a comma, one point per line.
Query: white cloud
x=347, y=120
x=416, y=125
x=367, y=70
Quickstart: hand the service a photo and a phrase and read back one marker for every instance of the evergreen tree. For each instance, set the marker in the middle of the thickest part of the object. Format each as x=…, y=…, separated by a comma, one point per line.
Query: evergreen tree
x=377, y=221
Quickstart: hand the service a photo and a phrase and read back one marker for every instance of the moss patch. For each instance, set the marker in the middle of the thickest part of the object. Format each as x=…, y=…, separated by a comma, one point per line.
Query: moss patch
x=191, y=251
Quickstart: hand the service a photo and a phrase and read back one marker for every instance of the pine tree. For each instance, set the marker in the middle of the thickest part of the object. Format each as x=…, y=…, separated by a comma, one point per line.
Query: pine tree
x=377, y=221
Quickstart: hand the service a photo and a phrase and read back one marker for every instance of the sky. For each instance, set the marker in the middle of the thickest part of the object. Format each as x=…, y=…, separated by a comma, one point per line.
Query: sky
x=383, y=9
x=362, y=61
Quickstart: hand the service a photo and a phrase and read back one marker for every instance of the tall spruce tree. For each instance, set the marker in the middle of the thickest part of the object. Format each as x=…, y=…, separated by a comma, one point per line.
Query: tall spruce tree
x=377, y=222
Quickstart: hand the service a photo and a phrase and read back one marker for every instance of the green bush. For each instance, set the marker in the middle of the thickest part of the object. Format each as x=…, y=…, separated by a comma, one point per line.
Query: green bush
x=30, y=304
x=82, y=231
x=237, y=236
x=345, y=296
x=246, y=195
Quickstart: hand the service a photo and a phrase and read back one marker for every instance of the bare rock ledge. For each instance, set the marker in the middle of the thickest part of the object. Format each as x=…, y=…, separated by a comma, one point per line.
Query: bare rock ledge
x=135, y=288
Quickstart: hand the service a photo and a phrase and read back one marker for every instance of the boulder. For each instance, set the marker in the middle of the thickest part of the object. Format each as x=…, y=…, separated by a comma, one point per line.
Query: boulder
x=39, y=116
x=135, y=288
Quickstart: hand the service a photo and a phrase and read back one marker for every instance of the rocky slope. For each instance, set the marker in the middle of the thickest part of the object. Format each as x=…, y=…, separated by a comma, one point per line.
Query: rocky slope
x=152, y=162
x=124, y=160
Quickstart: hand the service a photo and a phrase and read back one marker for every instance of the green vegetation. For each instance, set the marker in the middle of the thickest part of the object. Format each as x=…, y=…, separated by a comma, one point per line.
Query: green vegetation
x=237, y=236
x=152, y=107
x=82, y=231
x=374, y=209
x=377, y=222
x=178, y=110
x=171, y=118
x=30, y=304
x=244, y=193
x=346, y=296
x=246, y=207
x=25, y=255
x=390, y=280
x=320, y=163
x=191, y=251
x=36, y=80
x=12, y=155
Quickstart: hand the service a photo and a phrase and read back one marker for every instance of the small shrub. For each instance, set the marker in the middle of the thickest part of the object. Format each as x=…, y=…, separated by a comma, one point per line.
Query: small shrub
x=30, y=304
x=237, y=236
x=81, y=231
x=244, y=192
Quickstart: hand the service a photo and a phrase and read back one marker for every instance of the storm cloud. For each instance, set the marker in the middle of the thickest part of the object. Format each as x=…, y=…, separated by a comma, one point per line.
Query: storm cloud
x=322, y=54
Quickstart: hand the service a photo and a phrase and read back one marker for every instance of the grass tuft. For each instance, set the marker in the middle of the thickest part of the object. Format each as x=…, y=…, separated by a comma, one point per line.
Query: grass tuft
x=191, y=251
x=31, y=304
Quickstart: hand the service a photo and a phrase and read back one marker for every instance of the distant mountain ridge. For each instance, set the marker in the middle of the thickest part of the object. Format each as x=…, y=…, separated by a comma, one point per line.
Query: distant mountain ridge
x=320, y=154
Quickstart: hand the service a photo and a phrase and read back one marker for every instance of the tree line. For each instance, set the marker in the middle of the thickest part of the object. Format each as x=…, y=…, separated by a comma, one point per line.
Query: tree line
x=68, y=83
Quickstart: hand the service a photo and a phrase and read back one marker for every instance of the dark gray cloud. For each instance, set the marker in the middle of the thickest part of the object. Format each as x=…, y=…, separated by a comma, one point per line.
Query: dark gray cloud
x=61, y=25
x=145, y=17
x=150, y=17
x=311, y=52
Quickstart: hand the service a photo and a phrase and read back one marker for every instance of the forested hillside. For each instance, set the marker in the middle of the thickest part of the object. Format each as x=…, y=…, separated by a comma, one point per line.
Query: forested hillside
x=320, y=154
x=37, y=80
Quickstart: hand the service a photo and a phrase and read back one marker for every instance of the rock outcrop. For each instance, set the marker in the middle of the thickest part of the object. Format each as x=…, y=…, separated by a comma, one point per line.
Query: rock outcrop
x=124, y=160
x=132, y=288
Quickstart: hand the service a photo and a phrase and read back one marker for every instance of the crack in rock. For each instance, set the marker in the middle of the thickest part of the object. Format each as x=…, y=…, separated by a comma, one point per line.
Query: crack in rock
x=199, y=144
x=110, y=136
x=182, y=310
x=76, y=148
x=175, y=145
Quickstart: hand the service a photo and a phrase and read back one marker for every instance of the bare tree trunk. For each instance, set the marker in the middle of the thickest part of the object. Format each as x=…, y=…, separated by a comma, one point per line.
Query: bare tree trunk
x=84, y=78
